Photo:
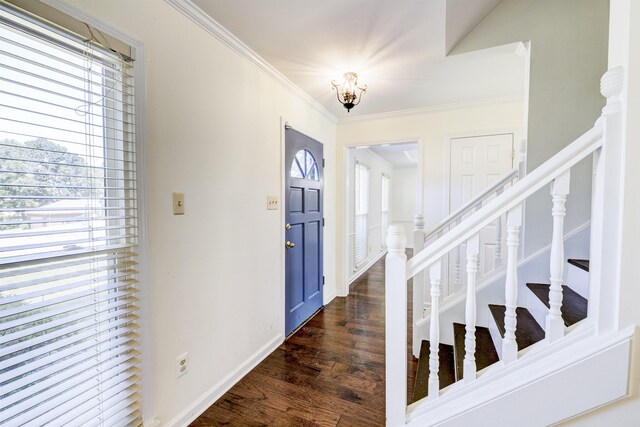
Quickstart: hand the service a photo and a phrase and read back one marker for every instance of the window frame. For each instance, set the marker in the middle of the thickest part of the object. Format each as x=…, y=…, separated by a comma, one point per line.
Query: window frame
x=136, y=53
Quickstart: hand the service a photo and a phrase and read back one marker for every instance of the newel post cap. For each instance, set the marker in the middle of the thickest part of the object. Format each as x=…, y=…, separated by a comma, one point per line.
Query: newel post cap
x=396, y=240
x=611, y=85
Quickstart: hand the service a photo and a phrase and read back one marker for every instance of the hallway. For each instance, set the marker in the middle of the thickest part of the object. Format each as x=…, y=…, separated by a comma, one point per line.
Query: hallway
x=329, y=373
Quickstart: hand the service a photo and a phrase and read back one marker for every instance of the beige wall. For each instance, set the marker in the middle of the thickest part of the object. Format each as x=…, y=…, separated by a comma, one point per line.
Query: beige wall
x=213, y=132
x=568, y=57
x=433, y=129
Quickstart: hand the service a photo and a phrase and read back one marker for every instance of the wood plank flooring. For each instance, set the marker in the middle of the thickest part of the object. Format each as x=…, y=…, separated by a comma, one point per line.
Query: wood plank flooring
x=329, y=373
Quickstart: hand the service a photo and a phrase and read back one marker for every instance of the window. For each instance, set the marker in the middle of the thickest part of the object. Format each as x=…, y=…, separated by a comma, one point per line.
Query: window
x=304, y=165
x=384, y=208
x=361, y=213
x=68, y=228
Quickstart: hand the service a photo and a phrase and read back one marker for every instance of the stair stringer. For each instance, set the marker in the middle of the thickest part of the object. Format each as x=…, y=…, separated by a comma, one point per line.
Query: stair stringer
x=546, y=385
x=534, y=268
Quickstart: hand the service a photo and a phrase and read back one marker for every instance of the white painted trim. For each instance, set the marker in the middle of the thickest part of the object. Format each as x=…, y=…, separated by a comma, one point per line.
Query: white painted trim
x=330, y=297
x=365, y=267
x=431, y=109
x=500, y=380
x=206, y=22
x=207, y=399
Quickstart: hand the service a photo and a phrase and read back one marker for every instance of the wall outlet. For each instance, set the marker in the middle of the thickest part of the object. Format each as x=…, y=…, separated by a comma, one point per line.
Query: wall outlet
x=182, y=364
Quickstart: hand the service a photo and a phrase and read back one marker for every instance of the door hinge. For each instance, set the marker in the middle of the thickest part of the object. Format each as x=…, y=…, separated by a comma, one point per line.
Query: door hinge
x=323, y=280
x=323, y=222
x=323, y=163
x=513, y=154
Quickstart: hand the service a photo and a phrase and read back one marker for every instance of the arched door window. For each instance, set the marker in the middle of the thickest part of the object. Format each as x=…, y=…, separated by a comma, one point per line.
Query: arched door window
x=304, y=166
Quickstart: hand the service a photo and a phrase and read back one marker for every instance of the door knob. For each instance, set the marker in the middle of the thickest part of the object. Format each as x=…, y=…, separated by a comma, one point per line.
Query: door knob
x=288, y=226
x=289, y=244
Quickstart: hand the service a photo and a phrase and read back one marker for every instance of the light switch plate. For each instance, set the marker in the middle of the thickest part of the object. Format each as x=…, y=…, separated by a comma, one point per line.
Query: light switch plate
x=272, y=203
x=178, y=203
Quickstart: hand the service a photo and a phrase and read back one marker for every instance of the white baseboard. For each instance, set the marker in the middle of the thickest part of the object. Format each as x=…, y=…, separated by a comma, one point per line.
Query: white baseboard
x=330, y=297
x=201, y=404
x=365, y=267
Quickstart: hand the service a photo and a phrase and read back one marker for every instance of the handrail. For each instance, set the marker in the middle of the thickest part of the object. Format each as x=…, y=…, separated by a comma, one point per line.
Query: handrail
x=582, y=147
x=460, y=212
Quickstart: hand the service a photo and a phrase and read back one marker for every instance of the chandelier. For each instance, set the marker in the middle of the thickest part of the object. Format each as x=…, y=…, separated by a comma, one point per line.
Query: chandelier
x=346, y=91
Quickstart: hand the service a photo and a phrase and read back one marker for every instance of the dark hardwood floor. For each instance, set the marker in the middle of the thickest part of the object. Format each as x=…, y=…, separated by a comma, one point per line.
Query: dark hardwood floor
x=329, y=373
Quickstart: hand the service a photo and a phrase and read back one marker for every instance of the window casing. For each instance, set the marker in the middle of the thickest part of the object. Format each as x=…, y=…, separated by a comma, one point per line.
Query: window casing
x=361, y=225
x=68, y=229
x=384, y=207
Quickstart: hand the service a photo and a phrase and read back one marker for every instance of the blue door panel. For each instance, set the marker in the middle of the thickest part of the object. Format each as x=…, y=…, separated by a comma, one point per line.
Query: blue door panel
x=304, y=233
x=295, y=257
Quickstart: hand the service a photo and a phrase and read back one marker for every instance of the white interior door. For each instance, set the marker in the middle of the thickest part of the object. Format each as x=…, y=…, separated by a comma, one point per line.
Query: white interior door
x=476, y=163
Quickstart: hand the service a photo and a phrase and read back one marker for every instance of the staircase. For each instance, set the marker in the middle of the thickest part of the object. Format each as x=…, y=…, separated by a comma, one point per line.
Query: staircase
x=530, y=331
x=482, y=373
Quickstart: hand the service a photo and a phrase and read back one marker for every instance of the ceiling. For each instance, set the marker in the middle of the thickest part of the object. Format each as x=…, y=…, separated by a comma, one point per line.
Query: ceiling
x=398, y=155
x=398, y=48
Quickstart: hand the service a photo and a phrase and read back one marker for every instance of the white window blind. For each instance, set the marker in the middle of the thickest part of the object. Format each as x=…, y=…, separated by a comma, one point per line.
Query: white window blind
x=361, y=213
x=384, y=208
x=68, y=229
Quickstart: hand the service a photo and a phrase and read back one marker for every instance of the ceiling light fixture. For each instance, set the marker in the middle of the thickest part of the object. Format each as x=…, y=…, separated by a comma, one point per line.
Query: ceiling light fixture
x=346, y=91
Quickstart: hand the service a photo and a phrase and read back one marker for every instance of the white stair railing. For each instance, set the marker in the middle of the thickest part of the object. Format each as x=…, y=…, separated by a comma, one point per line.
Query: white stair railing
x=602, y=141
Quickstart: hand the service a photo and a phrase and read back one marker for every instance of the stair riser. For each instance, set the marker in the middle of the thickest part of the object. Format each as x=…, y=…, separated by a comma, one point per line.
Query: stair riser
x=537, y=309
x=578, y=280
x=495, y=336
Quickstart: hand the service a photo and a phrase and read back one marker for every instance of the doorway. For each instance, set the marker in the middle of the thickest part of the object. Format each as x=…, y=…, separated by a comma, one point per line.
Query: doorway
x=303, y=228
x=476, y=162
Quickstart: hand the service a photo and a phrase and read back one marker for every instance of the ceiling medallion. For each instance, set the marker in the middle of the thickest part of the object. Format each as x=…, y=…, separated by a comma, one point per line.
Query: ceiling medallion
x=346, y=91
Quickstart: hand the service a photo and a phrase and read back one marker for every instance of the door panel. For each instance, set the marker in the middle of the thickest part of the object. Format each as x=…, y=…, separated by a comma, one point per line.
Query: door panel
x=303, y=215
x=476, y=163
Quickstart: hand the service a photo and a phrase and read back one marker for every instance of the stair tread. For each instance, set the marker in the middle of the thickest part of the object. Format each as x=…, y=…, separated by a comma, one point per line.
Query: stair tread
x=446, y=371
x=574, y=305
x=580, y=263
x=485, y=354
x=528, y=331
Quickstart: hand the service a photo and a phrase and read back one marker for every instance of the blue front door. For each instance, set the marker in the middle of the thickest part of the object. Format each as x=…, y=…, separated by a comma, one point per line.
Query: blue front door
x=303, y=234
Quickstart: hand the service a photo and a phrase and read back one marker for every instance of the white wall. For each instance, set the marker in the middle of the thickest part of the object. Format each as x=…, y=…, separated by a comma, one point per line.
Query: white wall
x=568, y=57
x=377, y=167
x=432, y=128
x=213, y=132
x=403, y=199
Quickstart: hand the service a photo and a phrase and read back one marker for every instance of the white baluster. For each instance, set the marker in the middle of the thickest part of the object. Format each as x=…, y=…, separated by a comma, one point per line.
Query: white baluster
x=418, y=284
x=509, y=345
x=498, y=253
x=473, y=250
x=396, y=326
x=457, y=282
x=435, y=272
x=554, y=322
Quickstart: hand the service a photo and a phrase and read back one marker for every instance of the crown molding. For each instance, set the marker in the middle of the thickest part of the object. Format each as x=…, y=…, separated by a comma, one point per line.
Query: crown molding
x=431, y=109
x=198, y=16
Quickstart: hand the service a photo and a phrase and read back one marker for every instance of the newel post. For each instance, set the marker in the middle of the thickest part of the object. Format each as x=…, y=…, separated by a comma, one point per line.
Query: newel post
x=418, y=283
x=396, y=326
x=606, y=207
